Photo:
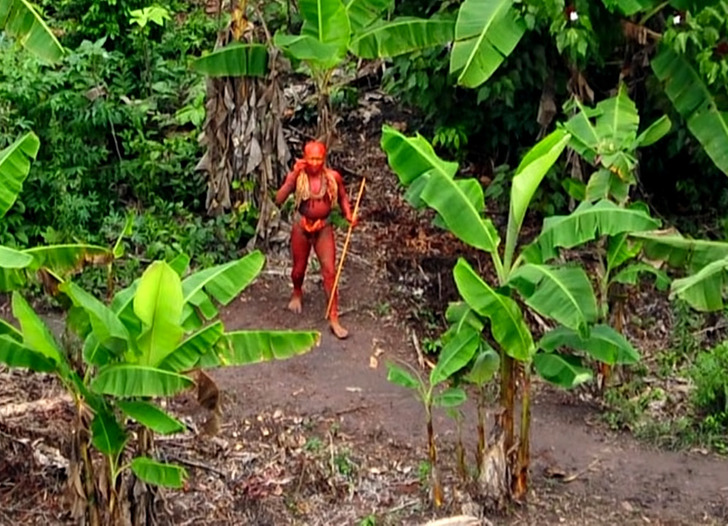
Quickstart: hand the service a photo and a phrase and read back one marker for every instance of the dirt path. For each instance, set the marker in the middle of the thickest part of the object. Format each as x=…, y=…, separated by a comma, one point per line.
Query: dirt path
x=618, y=479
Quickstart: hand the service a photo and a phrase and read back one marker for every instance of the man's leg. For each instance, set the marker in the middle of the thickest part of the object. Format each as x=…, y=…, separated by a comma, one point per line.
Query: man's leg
x=326, y=252
x=300, y=249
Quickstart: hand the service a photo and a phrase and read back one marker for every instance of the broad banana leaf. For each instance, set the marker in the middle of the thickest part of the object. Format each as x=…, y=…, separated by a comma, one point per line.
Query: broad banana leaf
x=621, y=249
x=151, y=416
x=457, y=211
x=326, y=21
x=455, y=355
x=654, y=132
x=106, y=433
x=224, y=282
x=188, y=353
x=15, y=164
x=403, y=378
x=401, y=35
x=631, y=273
x=529, y=174
x=484, y=368
x=589, y=222
x=362, y=13
x=413, y=157
x=14, y=259
x=305, y=47
x=130, y=380
x=10, y=330
x=678, y=251
x=451, y=397
x=460, y=316
x=703, y=290
x=158, y=473
x=694, y=101
x=563, y=294
x=36, y=334
x=158, y=305
x=562, y=370
x=69, y=258
x=21, y=21
x=486, y=32
x=506, y=320
x=15, y=354
x=249, y=347
x=604, y=344
x=108, y=330
x=234, y=60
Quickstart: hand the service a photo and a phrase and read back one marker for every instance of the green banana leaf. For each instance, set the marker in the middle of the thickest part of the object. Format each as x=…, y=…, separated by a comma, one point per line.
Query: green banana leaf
x=693, y=100
x=108, y=330
x=326, y=21
x=451, y=397
x=151, y=416
x=188, y=353
x=654, y=132
x=703, y=290
x=412, y=157
x=249, y=347
x=222, y=283
x=20, y=20
x=589, y=222
x=631, y=273
x=506, y=320
x=460, y=316
x=486, y=32
x=457, y=211
x=401, y=35
x=621, y=249
x=10, y=330
x=455, y=355
x=362, y=13
x=36, y=334
x=678, y=251
x=158, y=305
x=15, y=164
x=529, y=174
x=234, y=60
x=486, y=364
x=561, y=370
x=15, y=354
x=563, y=294
x=307, y=48
x=158, y=473
x=130, y=380
x=401, y=377
x=68, y=258
x=604, y=344
x=14, y=259
x=106, y=433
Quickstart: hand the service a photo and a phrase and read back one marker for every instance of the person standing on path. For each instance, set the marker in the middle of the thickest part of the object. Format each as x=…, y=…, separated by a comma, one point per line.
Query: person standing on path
x=316, y=190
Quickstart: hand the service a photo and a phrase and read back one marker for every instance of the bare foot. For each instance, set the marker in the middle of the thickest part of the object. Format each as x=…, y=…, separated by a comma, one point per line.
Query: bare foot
x=338, y=330
x=295, y=304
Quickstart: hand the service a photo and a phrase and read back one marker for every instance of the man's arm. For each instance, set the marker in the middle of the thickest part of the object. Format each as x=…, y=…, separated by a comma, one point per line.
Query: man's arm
x=289, y=185
x=343, y=196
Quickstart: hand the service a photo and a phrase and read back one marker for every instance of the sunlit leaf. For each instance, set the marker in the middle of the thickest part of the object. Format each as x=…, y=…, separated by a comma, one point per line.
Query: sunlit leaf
x=151, y=416
x=20, y=20
x=401, y=377
x=128, y=381
x=561, y=370
x=452, y=397
x=604, y=344
x=106, y=433
x=158, y=473
x=455, y=355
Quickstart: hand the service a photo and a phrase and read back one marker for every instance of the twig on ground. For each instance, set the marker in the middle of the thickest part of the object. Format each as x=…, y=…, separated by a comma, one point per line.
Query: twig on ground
x=578, y=474
x=200, y=465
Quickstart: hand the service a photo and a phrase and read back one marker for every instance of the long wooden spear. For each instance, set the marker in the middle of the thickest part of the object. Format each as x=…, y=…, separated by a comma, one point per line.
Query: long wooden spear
x=343, y=252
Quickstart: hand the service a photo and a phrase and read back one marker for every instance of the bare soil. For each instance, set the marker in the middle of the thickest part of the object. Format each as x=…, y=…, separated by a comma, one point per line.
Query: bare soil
x=325, y=439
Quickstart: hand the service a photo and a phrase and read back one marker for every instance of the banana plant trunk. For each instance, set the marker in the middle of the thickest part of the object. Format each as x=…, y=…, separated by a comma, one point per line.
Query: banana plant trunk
x=246, y=151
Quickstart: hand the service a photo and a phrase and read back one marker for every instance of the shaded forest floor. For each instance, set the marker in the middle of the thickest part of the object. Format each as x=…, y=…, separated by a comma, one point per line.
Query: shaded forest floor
x=325, y=439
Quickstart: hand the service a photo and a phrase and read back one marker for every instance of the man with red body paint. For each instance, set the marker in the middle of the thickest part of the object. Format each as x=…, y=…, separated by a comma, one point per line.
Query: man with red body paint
x=316, y=188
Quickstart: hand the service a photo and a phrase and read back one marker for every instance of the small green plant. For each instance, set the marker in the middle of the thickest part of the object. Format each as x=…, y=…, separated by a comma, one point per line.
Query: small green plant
x=710, y=375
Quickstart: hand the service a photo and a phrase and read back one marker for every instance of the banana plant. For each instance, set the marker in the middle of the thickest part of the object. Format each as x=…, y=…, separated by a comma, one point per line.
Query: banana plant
x=562, y=293
x=460, y=345
x=333, y=28
x=20, y=20
x=145, y=346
